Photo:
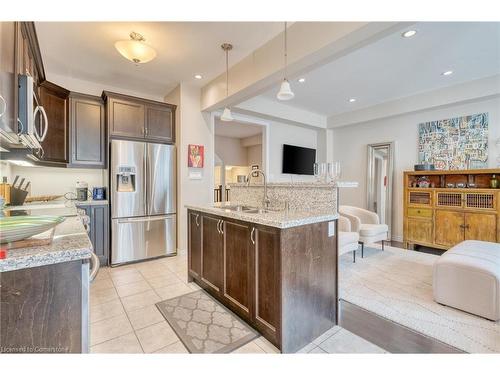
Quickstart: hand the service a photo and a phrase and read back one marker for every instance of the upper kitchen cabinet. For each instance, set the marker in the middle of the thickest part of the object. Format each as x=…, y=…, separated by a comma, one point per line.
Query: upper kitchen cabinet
x=8, y=81
x=135, y=118
x=29, y=58
x=87, y=130
x=54, y=100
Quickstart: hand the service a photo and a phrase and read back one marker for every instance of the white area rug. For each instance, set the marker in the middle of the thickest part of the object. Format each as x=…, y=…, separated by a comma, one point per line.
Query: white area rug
x=397, y=285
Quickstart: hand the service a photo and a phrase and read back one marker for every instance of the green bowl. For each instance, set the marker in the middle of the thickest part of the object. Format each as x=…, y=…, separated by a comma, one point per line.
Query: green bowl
x=17, y=228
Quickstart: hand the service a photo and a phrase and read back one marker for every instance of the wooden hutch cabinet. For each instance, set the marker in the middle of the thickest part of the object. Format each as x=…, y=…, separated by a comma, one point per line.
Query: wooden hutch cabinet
x=440, y=216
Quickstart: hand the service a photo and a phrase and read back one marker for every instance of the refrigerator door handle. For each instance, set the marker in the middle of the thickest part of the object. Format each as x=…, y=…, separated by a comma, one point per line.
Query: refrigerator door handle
x=145, y=219
x=146, y=179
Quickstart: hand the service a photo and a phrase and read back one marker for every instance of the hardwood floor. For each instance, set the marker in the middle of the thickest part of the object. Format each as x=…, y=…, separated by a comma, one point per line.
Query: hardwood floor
x=388, y=335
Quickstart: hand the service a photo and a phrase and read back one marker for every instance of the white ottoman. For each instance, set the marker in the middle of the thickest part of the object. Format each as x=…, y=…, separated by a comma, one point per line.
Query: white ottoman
x=467, y=277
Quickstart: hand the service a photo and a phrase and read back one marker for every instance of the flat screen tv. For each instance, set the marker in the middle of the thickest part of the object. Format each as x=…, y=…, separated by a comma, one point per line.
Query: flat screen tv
x=298, y=160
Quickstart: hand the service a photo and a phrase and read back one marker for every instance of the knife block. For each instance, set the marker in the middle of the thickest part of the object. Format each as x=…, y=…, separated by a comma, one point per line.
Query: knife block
x=17, y=196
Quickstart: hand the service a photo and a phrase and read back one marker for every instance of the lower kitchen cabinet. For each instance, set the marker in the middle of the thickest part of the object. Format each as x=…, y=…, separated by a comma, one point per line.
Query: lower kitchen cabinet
x=45, y=309
x=99, y=229
x=283, y=282
x=211, y=255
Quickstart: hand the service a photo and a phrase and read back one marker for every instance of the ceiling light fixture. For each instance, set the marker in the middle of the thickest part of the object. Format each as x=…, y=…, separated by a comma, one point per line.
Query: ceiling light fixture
x=285, y=92
x=226, y=115
x=198, y=76
x=352, y=100
x=135, y=49
x=447, y=73
x=302, y=80
x=409, y=33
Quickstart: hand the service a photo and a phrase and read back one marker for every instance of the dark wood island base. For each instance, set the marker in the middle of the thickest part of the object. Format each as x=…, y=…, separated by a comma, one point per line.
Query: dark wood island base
x=283, y=282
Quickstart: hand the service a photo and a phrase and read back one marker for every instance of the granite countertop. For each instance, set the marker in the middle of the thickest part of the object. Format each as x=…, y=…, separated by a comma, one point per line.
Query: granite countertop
x=70, y=242
x=338, y=184
x=278, y=219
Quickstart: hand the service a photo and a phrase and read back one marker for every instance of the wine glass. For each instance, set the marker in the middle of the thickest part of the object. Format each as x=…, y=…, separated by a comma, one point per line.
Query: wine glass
x=334, y=171
x=320, y=171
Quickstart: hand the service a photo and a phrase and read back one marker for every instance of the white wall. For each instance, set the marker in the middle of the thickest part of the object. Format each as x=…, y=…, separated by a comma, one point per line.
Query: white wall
x=57, y=181
x=349, y=147
x=281, y=133
x=231, y=151
x=193, y=127
x=254, y=155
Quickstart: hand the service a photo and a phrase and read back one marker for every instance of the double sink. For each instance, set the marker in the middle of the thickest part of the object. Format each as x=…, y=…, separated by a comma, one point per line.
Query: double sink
x=245, y=209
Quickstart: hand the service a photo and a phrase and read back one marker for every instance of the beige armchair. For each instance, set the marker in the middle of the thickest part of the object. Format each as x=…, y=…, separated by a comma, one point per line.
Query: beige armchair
x=367, y=224
x=348, y=240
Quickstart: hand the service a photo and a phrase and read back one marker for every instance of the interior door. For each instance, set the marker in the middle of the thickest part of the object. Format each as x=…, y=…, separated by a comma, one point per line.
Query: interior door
x=481, y=227
x=449, y=227
x=128, y=195
x=160, y=179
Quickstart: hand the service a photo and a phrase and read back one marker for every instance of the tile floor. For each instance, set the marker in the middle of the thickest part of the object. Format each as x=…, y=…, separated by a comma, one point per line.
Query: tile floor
x=124, y=318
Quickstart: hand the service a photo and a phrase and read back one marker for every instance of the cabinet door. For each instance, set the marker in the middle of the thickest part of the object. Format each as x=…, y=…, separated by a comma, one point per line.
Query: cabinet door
x=54, y=100
x=420, y=231
x=194, y=245
x=267, y=281
x=481, y=227
x=238, y=264
x=87, y=131
x=126, y=118
x=99, y=227
x=159, y=123
x=211, y=266
x=8, y=79
x=449, y=227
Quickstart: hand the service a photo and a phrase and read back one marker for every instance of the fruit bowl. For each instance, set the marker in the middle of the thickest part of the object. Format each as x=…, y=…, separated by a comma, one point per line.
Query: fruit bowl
x=16, y=228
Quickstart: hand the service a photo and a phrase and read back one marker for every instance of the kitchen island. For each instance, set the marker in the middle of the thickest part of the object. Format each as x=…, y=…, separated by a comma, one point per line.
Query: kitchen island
x=44, y=290
x=276, y=269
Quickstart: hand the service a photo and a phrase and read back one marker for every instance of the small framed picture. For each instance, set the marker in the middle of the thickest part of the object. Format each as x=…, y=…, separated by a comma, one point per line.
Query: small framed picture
x=195, y=156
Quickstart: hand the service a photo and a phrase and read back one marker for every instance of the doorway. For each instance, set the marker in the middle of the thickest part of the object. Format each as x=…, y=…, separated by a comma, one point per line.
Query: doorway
x=239, y=148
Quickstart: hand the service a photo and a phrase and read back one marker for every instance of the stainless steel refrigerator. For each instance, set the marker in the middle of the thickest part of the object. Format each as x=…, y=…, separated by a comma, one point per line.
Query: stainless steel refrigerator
x=143, y=201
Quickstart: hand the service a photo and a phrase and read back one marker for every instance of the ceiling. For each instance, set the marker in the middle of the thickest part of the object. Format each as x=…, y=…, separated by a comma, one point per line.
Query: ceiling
x=235, y=129
x=85, y=50
x=396, y=67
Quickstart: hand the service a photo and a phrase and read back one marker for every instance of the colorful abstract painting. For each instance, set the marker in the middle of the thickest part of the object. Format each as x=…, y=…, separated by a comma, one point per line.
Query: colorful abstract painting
x=195, y=156
x=455, y=143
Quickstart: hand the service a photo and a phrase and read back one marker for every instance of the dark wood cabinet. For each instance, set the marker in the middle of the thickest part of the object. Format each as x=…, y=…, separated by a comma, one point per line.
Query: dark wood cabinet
x=99, y=229
x=160, y=123
x=238, y=266
x=211, y=263
x=87, y=130
x=267, y=280
x=194, y=238
x=54, y=100
x=41, y=309
x=283, y=282
x=136, y=118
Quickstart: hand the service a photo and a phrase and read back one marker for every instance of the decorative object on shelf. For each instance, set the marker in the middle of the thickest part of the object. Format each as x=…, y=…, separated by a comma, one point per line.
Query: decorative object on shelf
x=424, y=167
x=494, y=182
x=226, y=115
x=455, y=143
x=196, y=156
x=16, y=228
x=285, y=92
x=460, y=185
x=423, y=182
x=135, y=49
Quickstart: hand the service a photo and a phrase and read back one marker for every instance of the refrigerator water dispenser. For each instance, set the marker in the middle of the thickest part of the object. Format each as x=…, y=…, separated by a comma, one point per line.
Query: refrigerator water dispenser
x=125, y=180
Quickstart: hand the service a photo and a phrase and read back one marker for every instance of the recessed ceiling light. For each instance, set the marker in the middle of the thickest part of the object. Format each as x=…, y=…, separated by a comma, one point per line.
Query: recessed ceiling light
x=198, y=76
x=409, y=33
x=352, y=100
x=447, y=73
x=302, y=80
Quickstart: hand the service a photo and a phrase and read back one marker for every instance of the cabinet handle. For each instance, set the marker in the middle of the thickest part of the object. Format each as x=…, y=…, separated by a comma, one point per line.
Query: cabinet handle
x=218, y=226
x=251, y=236
x=196, y=220
x=222, y=227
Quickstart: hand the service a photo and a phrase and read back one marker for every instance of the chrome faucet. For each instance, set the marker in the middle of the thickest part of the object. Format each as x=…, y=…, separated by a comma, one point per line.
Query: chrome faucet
x=266, y=200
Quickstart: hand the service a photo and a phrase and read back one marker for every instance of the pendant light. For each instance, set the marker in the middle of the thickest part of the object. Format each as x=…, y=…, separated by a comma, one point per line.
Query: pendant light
x=285, y=92
x=226, y=115
x=135, y=49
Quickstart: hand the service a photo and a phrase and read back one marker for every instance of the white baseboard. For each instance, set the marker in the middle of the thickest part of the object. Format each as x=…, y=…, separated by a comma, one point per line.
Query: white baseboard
x=397, y=238
x=181, y=252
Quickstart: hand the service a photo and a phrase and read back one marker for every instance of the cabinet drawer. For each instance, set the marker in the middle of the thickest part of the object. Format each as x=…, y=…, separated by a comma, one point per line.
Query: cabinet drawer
x=420, y=212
